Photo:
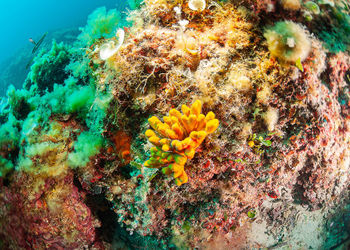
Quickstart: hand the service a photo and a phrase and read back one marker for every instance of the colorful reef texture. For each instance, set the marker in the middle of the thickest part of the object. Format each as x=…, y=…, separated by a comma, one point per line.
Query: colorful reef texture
x=258, y=157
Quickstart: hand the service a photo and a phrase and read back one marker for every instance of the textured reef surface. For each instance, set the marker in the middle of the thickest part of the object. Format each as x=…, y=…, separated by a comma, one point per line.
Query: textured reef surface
x=188, y=124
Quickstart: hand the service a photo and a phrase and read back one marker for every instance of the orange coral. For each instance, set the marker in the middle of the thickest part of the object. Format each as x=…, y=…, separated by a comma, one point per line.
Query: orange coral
x=121, y=142
x=182, y=134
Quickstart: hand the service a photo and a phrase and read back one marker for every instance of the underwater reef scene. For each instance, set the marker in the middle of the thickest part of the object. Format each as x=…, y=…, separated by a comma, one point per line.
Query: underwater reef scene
x=190, y=124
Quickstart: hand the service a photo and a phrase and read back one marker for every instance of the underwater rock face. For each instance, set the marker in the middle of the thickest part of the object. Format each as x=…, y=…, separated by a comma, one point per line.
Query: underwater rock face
x=77, y=167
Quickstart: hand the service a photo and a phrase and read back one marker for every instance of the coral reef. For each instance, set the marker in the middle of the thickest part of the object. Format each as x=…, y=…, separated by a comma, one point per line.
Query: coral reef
x=272, y=78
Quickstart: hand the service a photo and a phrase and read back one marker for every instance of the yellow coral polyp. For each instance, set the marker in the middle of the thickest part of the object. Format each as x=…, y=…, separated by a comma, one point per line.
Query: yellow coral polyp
x=177, y=138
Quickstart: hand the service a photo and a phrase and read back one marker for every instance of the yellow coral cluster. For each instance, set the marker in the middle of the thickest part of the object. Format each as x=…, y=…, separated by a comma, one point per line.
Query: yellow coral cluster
x=177, y=138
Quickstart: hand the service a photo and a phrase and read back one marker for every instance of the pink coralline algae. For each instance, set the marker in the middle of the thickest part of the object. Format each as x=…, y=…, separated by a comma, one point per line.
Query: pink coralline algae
x=54, y=216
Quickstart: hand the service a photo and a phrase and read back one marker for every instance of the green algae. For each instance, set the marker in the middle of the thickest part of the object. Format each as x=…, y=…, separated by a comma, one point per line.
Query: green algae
x=86, y=146
x=336, y=33
x=101, y=23
x=60, y=83
x=49, y=67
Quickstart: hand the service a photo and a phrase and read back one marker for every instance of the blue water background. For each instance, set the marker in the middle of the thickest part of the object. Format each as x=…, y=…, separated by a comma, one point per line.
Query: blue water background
x=25, y=19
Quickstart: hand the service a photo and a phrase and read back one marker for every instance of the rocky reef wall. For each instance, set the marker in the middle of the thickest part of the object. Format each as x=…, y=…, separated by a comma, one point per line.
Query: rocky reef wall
x=191, y=124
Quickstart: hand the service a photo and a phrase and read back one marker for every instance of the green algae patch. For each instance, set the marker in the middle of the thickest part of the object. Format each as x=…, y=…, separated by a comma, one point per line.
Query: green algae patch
x=86, y=146
x=335, y=34
x=101, y=23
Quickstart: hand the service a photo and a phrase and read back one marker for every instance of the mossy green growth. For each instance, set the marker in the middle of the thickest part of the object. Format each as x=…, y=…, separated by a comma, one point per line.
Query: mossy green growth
x=80, y=98
x=134, y=4
x=97, y=114
x=313, y=7
x=49, y=67
x=251, y=214
x=87, y=145
x=101, y=23
x=186, y=226
x=34, y=123
x=9, y=132
x=70, y=98
x=79, y=67
x=288, y=41
x=57, y=87
x=5, y=166
x=18, y=102
x=9, y=143
x=39, y=149
x=336, y=33
x=88, y=105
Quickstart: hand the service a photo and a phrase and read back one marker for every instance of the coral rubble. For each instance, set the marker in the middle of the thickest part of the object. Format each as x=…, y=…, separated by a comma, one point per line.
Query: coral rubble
x=75, y=143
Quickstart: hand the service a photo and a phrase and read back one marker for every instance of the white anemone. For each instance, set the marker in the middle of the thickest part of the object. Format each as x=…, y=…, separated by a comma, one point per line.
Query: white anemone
x=109, y=49
x=197, y=5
